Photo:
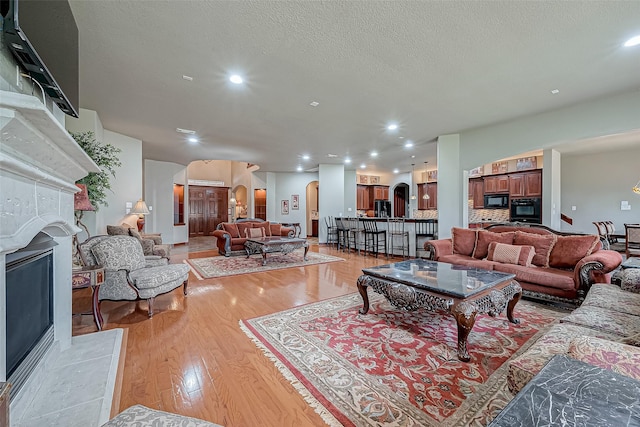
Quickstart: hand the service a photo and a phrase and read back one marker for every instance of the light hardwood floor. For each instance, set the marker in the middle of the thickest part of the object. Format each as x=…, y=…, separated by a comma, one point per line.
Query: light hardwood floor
x=192, y=358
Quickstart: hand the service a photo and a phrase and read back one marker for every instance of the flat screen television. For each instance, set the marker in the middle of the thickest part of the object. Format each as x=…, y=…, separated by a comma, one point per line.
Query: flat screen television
x=43, y=36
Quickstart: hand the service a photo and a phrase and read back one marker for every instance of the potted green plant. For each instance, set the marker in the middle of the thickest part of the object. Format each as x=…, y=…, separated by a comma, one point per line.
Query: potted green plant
x=106, y=157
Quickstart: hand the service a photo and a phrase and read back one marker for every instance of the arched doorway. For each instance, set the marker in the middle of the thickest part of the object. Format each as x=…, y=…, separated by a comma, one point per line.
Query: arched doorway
x=312, y=209
x=401, y=201
x=239, y=202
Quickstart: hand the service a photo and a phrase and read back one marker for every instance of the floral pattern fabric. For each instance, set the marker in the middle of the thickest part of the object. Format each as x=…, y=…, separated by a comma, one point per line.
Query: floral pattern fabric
x=613, y=298
x=621, y=358
x=609, y=321
x=139, y=416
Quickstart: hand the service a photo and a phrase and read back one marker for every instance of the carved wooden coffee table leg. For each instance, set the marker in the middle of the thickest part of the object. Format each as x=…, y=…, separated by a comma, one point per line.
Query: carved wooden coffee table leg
x=512, y=303
x=465, y=315
x=264, y=256
x=362, y=288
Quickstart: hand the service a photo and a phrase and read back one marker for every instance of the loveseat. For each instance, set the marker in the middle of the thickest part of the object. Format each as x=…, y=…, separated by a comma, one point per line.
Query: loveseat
x=549, y=265
x=604, y=331
x=231, y=236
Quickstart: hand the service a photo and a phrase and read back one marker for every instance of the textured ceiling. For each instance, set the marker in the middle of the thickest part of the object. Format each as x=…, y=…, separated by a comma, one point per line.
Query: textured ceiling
x=433, y=67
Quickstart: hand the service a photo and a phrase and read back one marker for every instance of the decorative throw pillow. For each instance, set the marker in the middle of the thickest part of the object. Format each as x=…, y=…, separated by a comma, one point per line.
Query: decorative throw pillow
x=119, y=252
x=133, y=232
x=117, y=230
x=568, y=250
x=276, y=229
x=543, y=244
x=242, y=228
x=463, y=240
x=510, y=254
x=232, y=229
x=253, y=233
x=486, y=237
x=265, y=226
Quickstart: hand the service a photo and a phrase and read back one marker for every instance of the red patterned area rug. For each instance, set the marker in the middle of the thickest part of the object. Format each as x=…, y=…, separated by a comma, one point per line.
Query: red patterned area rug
x=220, y=266
x=395, y=368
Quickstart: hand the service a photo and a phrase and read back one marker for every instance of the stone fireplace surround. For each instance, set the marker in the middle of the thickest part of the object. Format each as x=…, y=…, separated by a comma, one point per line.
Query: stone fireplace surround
x=39, y=165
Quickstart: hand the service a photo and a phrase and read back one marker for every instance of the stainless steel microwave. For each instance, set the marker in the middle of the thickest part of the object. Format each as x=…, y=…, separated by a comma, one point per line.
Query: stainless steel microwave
x=496, y=201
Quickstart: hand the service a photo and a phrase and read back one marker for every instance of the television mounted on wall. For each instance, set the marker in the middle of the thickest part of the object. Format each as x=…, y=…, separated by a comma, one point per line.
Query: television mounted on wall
x=43, y=37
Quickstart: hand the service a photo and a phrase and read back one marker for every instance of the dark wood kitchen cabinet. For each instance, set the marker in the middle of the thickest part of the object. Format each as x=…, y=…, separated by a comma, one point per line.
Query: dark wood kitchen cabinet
x=525, y=184
x=476, y=192
x=496, y=184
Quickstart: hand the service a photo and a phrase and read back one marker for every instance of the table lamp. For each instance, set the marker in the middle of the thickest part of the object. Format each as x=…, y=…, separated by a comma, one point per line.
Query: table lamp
x=141, y=210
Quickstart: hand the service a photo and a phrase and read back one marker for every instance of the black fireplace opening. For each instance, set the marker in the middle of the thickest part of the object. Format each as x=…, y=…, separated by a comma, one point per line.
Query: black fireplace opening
x=29, y=298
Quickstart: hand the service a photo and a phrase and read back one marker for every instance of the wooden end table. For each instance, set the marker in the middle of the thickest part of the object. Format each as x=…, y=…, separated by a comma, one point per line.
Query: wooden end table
x=90, y=277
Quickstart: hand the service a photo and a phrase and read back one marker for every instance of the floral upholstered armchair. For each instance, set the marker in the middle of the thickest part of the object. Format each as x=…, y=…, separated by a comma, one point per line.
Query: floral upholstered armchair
x=129, y=275
x=151, y=243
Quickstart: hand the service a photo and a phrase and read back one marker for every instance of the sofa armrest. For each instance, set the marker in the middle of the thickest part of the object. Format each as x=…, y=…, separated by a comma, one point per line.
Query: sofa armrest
x=595, y=268
x=631, y=280
x=223, y=241
x=287, y=232
x=438, y=248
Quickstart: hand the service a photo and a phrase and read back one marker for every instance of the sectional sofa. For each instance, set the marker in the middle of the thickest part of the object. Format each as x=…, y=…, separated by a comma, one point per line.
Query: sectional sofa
x=549, y=265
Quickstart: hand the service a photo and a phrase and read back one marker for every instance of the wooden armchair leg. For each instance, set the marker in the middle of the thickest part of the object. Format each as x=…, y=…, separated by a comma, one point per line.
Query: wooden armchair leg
x=150, y=301
x=186, y=282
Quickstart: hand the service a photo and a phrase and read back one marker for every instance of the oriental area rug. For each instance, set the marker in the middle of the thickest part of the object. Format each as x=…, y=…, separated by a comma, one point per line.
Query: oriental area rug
x=392, y=367
x=220, y=266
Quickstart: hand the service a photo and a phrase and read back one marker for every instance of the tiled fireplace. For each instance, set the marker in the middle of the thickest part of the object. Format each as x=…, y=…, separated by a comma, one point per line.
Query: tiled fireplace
x=39, y=164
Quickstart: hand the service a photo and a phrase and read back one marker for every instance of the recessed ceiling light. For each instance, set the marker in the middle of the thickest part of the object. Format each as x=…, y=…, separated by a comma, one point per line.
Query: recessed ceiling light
x=299, y=168
x=363, y=166
x=633, y=41
x=192, y=139
x=374, y=154
x=396, y=170
x=332, y=156
x=305, y=157
x=401, y=137
x=413, y=156
x=408, y=144
x=314, y=103
x=347, y=160
x=187, y=131
x=392, y=126
x=236, y=79
x=555, y=91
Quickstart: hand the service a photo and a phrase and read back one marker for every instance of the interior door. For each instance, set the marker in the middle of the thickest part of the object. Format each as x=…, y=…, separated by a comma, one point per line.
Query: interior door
x=216, y=208
x=196, y=211
x=208, y=207
x=399, y=202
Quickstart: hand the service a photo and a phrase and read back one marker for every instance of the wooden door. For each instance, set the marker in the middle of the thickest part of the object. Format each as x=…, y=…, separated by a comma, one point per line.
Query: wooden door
x=207, y=208
x=260, y=203
x=399, y=202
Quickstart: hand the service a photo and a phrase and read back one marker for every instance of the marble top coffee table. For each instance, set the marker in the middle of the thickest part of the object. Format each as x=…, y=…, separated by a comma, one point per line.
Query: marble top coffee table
x=267, y=245
x=462, y=291
x=568, y=392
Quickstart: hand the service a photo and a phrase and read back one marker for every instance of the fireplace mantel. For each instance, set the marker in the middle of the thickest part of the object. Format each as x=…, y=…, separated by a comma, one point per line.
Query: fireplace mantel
x=39, y=165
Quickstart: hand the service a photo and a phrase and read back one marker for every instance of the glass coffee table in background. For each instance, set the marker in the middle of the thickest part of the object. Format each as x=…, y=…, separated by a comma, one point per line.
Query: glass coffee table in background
x=462, y=291
x=268, y=245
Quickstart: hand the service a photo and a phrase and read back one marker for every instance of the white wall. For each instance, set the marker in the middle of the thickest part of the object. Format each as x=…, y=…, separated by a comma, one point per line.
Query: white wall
x=158, y=192
x=286, y=185
x=596, y=184
x=331, y=194
x=211, y=170
x=350, y=193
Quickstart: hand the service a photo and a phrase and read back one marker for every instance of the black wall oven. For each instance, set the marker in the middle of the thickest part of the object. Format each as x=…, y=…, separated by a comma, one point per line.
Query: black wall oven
x=526, y=210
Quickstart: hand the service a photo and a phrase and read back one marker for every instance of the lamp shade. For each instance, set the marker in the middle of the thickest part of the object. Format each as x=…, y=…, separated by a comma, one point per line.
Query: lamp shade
x=140, y=208
x=81, y=199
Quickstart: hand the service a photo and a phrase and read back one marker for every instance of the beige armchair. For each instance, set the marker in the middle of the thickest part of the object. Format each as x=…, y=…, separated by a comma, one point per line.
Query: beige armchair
x=129, y=275
x=151, y=243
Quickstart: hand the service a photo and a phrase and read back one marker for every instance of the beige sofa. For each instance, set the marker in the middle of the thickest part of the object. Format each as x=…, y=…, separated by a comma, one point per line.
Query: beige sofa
x=549, y=265
x=604, y=331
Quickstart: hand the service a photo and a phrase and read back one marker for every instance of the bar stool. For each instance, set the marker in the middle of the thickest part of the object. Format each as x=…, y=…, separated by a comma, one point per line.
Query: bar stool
x=397, y=231
x=342, y=232
x=332, y=231
x=353, y=234
x=372, y=237
x=425, y=228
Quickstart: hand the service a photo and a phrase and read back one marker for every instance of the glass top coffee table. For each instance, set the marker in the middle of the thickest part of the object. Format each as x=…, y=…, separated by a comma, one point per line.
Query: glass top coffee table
x=267, y=245
x=462, y=291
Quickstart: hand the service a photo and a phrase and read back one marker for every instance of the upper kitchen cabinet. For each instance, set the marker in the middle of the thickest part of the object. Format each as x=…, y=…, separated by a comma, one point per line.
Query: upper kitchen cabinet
x=525, y=184
x=496, y=184
x=476, y=192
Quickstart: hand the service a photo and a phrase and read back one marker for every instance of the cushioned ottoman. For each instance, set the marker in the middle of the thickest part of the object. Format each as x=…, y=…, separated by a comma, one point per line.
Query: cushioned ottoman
x=621, y=358
x=141, y=416
x=606, y=320
x=613, y=298
x=523, y=368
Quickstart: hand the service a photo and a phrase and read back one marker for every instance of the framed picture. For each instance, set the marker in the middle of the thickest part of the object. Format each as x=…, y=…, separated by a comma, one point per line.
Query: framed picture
x=477, y=171
x=374, y=180
x=432, y=175
x=526, y=163
x=499, y=167
x=284, y=207
x=295, y=200
x=363, y=179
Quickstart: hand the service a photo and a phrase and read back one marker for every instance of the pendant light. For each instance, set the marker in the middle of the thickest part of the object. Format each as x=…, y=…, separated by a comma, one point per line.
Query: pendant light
x=413, y=195
x=425, y=196
x=636, y=188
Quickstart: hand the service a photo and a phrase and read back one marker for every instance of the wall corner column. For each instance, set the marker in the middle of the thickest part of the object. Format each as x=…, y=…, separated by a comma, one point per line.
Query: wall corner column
x=450, y=185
